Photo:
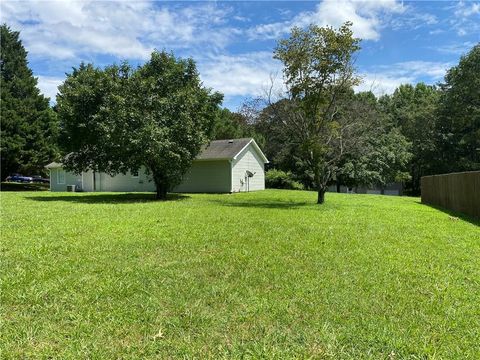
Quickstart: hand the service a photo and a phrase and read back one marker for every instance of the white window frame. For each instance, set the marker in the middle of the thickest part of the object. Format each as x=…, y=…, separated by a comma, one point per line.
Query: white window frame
x=60, y=171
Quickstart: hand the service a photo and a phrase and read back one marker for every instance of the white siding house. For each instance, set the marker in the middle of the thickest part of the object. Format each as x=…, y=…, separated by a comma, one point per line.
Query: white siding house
x=223, y=166
x=252, y=161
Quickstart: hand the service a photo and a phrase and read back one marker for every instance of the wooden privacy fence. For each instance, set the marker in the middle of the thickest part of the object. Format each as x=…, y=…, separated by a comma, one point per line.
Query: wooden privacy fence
x=456, y=191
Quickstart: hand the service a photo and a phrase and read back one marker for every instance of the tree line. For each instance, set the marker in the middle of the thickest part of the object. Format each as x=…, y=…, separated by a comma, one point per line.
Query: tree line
x=324, y=133
x=158, y=115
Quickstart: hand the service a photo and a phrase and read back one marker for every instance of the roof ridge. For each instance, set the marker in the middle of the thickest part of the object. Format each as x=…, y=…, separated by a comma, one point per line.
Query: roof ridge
x=245, y=138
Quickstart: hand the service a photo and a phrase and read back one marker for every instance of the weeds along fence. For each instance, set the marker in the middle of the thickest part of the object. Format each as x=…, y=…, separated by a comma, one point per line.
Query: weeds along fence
x=456, y=191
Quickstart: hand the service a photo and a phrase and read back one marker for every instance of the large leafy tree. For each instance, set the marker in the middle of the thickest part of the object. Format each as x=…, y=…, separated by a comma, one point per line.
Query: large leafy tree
x=318, y=72
x=118, y=119
x=382, y=152
x=383, y=161
x=377, y=155
x=458, y=126
x=412, y=109
x=28, y=124
x=278, y=148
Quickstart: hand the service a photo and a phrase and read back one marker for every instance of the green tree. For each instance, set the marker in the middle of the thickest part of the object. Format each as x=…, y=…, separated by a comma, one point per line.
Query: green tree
x=234, y=125
x=384, y=160
x=277, y=148
x=118, y=119
x=381, y=152
x=412, y=109
x=28, y=124
x=458, y=126
x=318, y=72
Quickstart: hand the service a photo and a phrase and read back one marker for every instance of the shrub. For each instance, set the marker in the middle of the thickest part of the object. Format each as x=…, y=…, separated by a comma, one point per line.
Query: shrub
x=296, y=185
x=278, y=179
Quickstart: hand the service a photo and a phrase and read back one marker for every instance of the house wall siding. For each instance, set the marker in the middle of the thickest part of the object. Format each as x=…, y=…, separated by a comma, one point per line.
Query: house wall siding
x=125, y=182
x=87, y=181
x=248, y=159
x=70, y=179
x=103, y=182
x=206, y=177
x=212, y=176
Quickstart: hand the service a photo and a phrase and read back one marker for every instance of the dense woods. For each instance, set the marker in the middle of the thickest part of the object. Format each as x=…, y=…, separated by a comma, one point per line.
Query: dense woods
x=320, y=132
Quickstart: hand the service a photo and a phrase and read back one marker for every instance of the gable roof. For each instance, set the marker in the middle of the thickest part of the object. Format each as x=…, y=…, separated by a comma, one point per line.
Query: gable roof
x=228, y=149
x=217, y=150
x=54, y=165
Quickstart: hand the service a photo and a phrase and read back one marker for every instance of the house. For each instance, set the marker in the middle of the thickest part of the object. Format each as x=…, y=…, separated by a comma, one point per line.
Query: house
x=223, y=166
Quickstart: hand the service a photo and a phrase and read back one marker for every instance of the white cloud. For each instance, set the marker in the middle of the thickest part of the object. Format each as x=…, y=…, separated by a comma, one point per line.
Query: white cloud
x=69, y=29
x=412, y=19
x=466, y=19
x=386, y=78
x=381, y=84
x=239, y=75
x=431, y=69
x=366, y=17
x=466, y=10
x=436, y=32
x=456, y=48
x=48, y=86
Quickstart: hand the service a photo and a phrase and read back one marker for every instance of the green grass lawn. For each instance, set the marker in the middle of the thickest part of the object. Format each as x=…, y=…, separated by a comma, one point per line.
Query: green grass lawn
x=252, y=275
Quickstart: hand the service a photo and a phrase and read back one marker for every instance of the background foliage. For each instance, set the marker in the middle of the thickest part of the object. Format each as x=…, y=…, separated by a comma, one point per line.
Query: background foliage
x=278, y=179
x=29, y=126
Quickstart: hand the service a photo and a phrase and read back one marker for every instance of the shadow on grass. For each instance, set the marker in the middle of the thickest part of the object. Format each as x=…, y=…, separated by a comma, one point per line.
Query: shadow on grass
x=452, y=213
x=121, y=198
x=12, y=186
x=273, y=204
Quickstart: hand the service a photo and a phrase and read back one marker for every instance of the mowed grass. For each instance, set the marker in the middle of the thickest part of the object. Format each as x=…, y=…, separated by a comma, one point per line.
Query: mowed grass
x=252, y=275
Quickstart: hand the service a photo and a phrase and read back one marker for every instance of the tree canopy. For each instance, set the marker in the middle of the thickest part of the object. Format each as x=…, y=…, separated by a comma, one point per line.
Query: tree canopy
x=458, y=126
x=119, y=119
x=412, y=109
x=318, y=72
x=28, y=124
x=234, y=125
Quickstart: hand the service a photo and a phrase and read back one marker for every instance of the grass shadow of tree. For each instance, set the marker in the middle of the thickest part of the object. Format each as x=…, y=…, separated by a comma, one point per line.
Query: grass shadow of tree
x=121, y=198
x=12, y=186
x=275, y=204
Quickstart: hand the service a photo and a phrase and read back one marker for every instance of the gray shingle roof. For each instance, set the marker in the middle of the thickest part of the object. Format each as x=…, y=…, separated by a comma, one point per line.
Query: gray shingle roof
x=223, y=149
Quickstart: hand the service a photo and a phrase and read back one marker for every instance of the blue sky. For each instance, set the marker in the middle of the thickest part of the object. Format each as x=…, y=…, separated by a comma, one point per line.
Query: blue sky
x=232, y=41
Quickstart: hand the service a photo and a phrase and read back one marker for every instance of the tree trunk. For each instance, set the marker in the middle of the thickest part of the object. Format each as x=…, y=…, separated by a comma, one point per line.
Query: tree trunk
x=382, y=190
x=161, y=185
x=321, y=187
x=161, y=192
x=338, y=186
x=321, y=196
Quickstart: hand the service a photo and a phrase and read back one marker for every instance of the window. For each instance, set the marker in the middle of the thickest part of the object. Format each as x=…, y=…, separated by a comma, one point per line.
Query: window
x=60, y=176
x=135, y=174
